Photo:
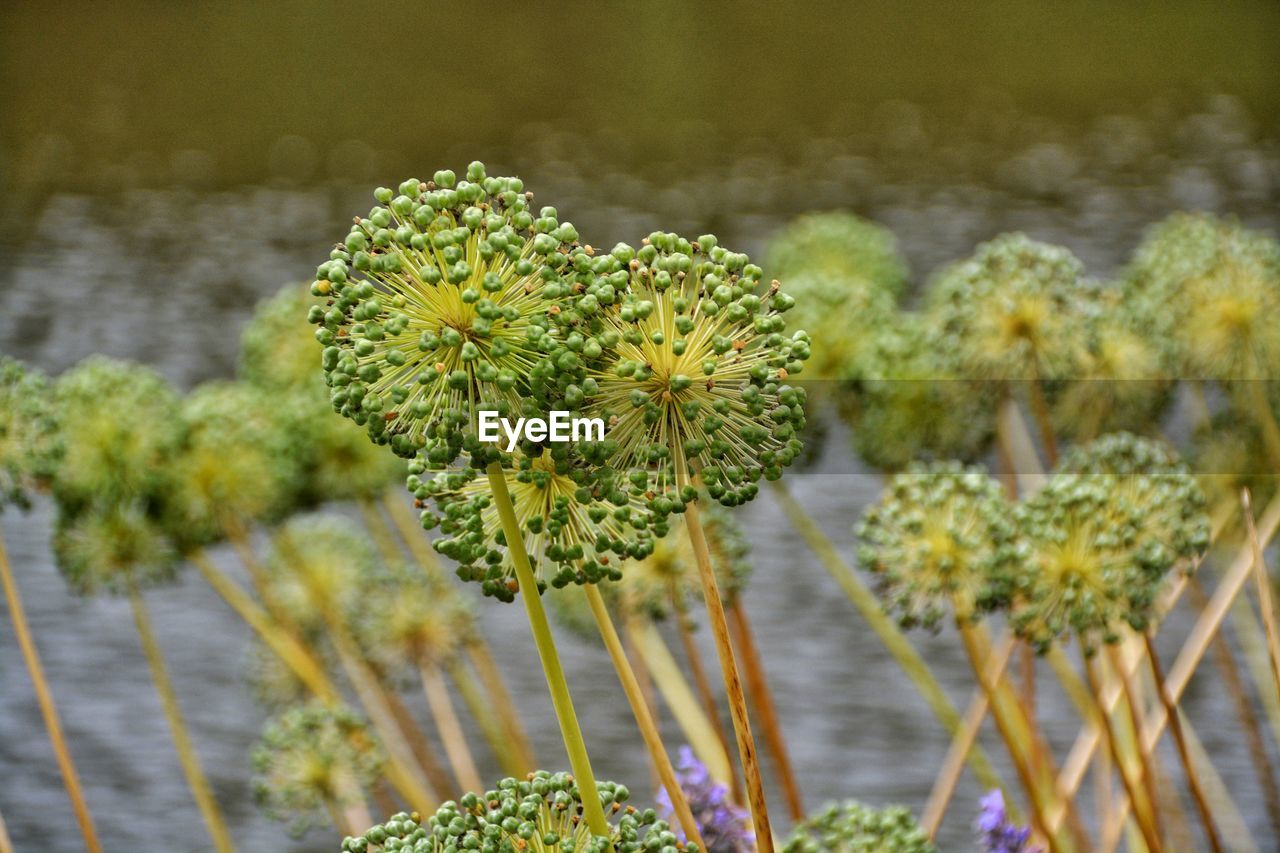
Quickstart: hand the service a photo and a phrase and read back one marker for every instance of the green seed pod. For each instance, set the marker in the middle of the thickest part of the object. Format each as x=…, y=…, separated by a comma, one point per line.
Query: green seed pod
x=1113, y=519
x=940, y=539
x=314, y=760
x=30, y=443
x=852, y=827
x=1016, y=309
x=738, y=420
x=542, y=811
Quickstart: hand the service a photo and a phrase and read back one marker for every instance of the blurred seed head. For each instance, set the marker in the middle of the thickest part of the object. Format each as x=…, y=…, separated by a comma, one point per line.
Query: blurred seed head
x=853, y=827
x=30, y=442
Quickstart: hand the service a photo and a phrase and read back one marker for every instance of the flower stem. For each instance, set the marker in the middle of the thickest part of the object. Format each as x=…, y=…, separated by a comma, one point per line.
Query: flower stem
x=451, y=734
x=1133, y=709
x=644, y=718
x=1263, y=586
x=48, y=710
x=732, y=681
x=684, y=627
x=196, y=779
x=6, y=845
x=561, y=700
x=479, y=709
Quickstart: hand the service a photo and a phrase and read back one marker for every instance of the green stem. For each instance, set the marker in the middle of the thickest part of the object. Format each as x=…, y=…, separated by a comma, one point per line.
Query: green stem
x=196, y=779
x=885, y=628
x=479, y=709
x=561, y=701
x=49, y=711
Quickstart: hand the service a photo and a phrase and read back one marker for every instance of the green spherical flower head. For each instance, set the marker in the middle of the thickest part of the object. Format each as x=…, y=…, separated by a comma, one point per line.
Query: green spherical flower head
x=1014, y=310
x=334, y=456
x=236, y=467
x=542, y=812
x=1228, y=455
x=852, y=827
x=1218, y=288
x=1112, y=521
x=311, y=761
x=697, y=375
x=845, y=274
x=116, y=549
x=940, y=540
x=121, y=427
x=441, y=303
x=278, y=346
x=319, y=564
x=30, y=444
x=582, y=521
x=408, y=619
x=906, y=403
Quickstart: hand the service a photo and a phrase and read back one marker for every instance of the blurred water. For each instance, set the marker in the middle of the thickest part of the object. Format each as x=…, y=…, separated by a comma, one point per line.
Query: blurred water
x=168, y=274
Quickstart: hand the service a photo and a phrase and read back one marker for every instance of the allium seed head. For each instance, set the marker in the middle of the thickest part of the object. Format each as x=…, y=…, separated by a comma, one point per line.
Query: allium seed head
x=940, y=540
x=114, y=549
x=852, y=827
x=30, y=444
x=407, y=618
x=319, y=564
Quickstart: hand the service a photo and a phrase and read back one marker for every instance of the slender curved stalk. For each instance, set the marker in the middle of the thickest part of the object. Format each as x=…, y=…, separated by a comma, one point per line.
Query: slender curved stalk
x=1265, y=419
x=890, y=635
x=732, y=677
x=644, y=719
x=762, y=700
x=1263, y=587
x=1044, y=421
x=48, y=710
x=490, y=727
x=1150, y=834
x=196, y=780
x=1180, y=740
x=670, y=681
x=684, y=628
x=380, y=533
x=6, y=844
x=561, y=700
x=1133, y=708
x=451, y=734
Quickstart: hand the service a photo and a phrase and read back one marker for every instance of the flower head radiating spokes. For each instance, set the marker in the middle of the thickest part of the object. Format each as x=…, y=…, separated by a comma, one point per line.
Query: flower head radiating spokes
x=537, y=814
x=699, y=372
x=1111, y=522
x=313, y=759
x=852, y=827
x=581, y=520
x=320, y=565
x=940, y=539
x=442, y=302
x=29, y=440
x=1014, y=310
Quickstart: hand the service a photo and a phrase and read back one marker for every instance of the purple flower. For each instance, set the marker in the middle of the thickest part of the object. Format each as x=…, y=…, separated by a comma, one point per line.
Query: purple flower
x=725, y=827
x=996, y=832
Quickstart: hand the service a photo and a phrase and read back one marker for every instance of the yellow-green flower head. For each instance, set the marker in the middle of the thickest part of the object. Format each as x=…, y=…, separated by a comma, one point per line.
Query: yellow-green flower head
x=278, y=346
x=29, y=437
x=853, y=827
x=541, y=813
x=699, y=373
x=319, y=564
x=581, y=520
x=1218, y=286
x=845, y=274
x=121, y=427
x=334, y=455
x=940, y=540
x=1123, y=384
x=441, y=303
x=409, y=619
x=235, y=467
x=1228, y=455
x=1113, y=519
x=313, y=759
x=908, y=404
x=114, y=549
x=1016, y=309
x=273, y=683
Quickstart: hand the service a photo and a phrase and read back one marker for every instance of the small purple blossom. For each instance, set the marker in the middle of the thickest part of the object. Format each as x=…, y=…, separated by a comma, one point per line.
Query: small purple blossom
x=996, y=832
x=725, y=827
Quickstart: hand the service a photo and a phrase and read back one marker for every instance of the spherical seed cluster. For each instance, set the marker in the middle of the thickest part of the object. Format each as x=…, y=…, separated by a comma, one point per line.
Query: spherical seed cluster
x=312, y=760
x=698, y=376
x=1016, y=309
x=319, y=564
x=114, y=549
x=29, y=440
x=273, y=683
x=581, y=520
x=940, y=539
x=409, y=619
x=1102, y=534
x=1227, y=456
x=235, y=467
x=1218, y=287
x=907, y=402
x=852, y=827
x=278, y=345
x=442, y=302
x=542, y=812
x=846, y=275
